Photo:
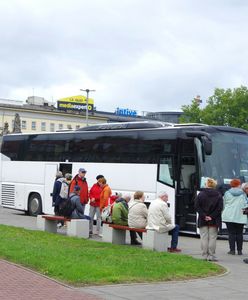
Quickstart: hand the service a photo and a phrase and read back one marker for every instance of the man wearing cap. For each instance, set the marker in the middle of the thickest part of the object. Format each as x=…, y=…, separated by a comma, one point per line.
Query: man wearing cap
x=78, y=211
x=80, y=181
x=95, y=193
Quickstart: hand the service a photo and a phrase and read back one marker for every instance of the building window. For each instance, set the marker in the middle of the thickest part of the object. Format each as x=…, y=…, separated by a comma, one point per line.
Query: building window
x=43, y=126
x=69, y=126
x=77, y=126
x=60, y=126
x=33, y=125
x=52, y=127
x=24, y=124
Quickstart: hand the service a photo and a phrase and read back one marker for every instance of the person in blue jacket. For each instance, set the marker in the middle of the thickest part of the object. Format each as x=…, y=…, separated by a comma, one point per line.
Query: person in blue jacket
x=234, y=204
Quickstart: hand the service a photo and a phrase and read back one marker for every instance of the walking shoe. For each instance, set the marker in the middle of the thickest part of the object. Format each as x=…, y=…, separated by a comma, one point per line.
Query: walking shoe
x=135, y=242
x=240, y=252
x=212, y=258
x=232, y=252
x=245, y=260
x=174, y=250
x=59, y=225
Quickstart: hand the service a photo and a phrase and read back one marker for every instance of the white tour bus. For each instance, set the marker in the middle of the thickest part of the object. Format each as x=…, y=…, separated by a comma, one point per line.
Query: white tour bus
x=148, y=156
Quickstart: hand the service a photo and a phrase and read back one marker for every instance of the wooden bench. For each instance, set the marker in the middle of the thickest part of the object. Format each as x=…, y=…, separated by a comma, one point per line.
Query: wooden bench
x=75, y=227
x=116, y=234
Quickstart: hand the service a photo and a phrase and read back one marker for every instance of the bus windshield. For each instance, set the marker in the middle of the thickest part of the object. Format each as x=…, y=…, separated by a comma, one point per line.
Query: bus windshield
x=229, y=158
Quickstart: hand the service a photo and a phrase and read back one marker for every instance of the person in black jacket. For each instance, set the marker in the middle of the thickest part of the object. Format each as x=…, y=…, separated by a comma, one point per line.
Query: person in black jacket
x=209, y=205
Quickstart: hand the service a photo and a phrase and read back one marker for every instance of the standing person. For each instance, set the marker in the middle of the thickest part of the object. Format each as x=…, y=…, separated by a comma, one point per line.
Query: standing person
x=105, y=193
x=94, y=195
x=78, y=212
x=137, y=212
x=159, y=219
x=232, y=215
x=209, y=205
x=60, y=192
x=80, y=181
x=120, y=215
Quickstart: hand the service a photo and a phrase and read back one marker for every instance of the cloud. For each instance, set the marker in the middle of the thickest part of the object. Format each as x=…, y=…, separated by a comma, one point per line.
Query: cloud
x=141, y=54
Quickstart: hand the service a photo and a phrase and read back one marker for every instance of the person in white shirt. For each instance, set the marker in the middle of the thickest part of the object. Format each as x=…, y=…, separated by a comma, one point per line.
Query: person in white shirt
x=159, y=219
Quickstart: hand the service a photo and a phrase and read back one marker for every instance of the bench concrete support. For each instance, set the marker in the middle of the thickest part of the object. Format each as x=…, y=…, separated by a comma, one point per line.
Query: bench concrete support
x=46, y=225
x=78, y=228
x=107, y=233
x=119, y=236
x=112, y=235
x=154, y=240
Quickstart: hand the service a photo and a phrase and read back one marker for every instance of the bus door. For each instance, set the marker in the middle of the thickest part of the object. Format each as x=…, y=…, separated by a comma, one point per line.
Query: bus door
x=186, y=188
x=166, y=182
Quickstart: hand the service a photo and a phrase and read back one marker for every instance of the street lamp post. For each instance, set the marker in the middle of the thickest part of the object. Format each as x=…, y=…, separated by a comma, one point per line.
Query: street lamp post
x=87, y=102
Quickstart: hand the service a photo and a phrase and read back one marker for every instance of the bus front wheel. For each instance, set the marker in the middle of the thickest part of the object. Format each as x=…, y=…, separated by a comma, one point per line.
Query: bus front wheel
x=34, y=205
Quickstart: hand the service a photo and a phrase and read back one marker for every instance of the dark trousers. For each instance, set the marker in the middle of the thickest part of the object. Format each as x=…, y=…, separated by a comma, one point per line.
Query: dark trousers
x=56, y=212
x=133, y=235
x=235, y=235
x=174, y=236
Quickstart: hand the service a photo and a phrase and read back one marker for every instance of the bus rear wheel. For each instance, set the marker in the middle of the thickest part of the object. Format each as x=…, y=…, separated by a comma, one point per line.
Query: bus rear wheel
x=34, y=205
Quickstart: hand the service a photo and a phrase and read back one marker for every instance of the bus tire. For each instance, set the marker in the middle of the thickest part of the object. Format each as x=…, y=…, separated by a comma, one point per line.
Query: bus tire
x=34, y=205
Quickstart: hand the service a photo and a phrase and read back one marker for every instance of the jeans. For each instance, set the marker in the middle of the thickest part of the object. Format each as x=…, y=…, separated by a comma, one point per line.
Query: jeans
x=174, y=236
x=95, y=210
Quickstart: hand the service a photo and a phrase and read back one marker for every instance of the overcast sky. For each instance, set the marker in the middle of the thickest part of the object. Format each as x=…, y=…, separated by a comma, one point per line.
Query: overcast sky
x=146, y=55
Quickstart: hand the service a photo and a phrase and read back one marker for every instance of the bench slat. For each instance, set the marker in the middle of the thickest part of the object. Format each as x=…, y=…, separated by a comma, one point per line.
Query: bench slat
x=122, y=227
x=55, y=218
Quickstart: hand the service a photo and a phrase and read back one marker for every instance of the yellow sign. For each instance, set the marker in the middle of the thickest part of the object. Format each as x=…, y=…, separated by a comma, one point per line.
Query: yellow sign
x=77, y=99
x=75, y=103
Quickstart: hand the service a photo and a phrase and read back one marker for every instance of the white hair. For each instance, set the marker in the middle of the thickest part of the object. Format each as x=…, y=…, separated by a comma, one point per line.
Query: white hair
x=162, y=193
x=126, y=196
x=244, y=185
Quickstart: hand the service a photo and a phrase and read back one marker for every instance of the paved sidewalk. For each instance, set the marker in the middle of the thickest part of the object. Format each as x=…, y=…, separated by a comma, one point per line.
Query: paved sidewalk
x=20, y=283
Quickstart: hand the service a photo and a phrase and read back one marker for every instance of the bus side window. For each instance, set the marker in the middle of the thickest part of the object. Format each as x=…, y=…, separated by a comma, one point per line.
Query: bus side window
x=165, y=170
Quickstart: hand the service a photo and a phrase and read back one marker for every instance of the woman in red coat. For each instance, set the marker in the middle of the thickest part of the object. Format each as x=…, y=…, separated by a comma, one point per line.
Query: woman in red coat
x=95, y=193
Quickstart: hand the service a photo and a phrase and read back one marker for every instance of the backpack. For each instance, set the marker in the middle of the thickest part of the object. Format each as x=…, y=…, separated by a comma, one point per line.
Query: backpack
x=66, y=207
x=64, y=190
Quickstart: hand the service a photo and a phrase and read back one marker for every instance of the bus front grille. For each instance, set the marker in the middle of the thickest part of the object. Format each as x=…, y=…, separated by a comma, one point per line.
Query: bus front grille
x=8, y=195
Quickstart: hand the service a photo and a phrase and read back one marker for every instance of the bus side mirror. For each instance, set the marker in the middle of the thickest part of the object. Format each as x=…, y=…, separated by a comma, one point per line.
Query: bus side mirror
x=207, y=145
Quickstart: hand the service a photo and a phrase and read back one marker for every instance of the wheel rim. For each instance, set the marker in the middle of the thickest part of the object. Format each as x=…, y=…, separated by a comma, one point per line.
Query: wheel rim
x=34, y=205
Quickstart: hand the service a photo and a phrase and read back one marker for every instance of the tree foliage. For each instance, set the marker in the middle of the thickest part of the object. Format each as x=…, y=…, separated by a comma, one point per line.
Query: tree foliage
x=226, y=107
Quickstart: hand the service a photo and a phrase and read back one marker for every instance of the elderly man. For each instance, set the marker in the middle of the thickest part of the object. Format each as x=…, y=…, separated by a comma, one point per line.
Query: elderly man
x=80, y=180
x=159, y=219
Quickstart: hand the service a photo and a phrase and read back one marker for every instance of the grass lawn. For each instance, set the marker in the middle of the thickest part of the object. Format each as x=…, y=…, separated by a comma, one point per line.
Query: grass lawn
x=81, y=262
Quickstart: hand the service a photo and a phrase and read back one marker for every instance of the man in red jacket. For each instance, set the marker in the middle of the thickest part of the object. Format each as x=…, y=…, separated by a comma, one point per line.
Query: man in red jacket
x=95, y=192
x=80, y=180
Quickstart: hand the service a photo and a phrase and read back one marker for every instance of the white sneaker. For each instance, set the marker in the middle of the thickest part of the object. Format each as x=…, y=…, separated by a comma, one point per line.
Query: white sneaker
x=100, y=235
x=59, y=225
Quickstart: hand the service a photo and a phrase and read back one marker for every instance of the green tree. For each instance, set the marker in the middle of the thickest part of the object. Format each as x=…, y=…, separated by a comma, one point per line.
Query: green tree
x=226, y=107
x=191, y=113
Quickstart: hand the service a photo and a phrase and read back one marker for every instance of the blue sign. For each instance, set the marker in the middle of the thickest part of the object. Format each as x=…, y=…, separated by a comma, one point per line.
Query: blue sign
x=126, y=112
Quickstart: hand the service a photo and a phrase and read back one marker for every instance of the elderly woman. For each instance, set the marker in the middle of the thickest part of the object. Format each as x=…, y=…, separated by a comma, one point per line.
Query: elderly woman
x=209, y=204
x=137, y=212
x=234, y=203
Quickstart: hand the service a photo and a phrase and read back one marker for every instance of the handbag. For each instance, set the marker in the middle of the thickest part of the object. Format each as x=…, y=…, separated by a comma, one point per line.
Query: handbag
x=106, y=213
x=245, y=211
